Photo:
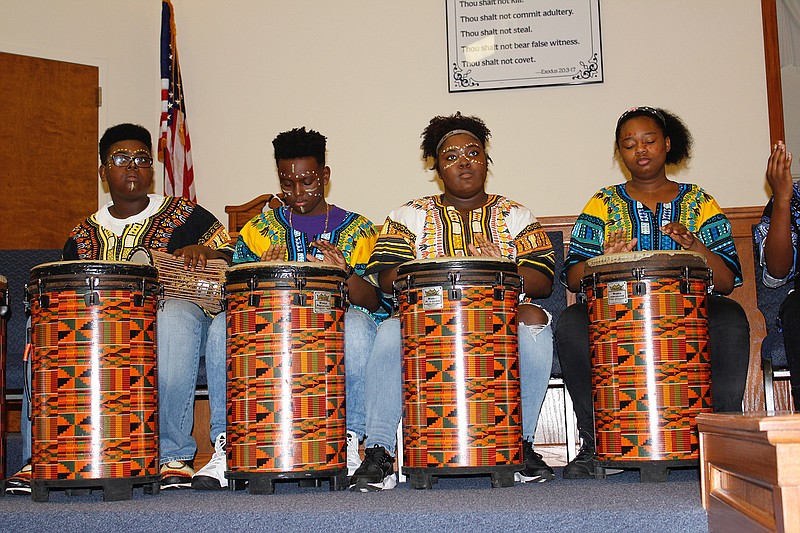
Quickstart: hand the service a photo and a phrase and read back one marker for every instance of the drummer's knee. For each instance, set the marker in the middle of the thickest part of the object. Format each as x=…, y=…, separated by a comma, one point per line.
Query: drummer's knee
x=532, y=315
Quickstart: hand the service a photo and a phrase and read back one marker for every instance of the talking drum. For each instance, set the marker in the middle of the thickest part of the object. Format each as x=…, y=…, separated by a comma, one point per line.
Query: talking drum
x=286, y=382
x=462, y=412
x=651, y=375
x=202, y=286
x=3, y=342
x=94, y=398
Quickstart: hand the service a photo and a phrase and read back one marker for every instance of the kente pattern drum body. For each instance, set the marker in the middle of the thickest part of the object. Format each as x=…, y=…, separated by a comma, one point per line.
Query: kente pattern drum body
x=461, y=401
x=95, y=391
x=651, y=373
x=286, y=383
x=3, y=347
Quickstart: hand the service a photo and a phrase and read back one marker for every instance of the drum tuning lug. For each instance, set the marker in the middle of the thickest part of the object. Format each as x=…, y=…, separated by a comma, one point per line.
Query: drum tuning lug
x=300, y=299
x=499, y=294
x=684, y=287
x=300, y=283
x=639, y=288
x=454, y=294
x=91, y=298
x=254, y=300
x=44, y=301
x=412, y=297
x=3, y=310
x=138, y=300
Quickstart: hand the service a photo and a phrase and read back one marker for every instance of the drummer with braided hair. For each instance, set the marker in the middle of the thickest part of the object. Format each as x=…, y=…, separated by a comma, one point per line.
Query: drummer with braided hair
x=652, y=212
x=463, y=221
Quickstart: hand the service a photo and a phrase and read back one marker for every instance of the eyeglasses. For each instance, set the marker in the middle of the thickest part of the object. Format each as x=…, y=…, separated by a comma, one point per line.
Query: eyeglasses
x=121, y=159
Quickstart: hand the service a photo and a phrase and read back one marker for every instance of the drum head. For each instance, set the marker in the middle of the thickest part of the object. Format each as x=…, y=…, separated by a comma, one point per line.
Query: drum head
x=645, y=259
x=141, y=256
x=484, y=264
x=91, y=268
x=280, y=269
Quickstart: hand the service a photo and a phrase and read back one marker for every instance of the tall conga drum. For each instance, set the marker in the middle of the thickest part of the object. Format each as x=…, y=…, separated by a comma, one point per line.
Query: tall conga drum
x=286, y=381
x=462, y=410
x=651, y=373
x=3, y=346
x=95, y=389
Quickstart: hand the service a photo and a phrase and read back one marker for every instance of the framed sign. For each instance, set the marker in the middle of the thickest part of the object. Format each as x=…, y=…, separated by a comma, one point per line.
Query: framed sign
x=501, y=44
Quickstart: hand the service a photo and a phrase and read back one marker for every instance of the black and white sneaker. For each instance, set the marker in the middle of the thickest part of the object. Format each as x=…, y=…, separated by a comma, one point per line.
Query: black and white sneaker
x=375, y=473
x=212, y=475
x=536, y=470
x=353, y=458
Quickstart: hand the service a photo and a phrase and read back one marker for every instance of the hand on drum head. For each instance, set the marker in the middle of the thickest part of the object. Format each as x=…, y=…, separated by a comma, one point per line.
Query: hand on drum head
x=678, y=233
x=275, y=253
x=483, y=247
x=331, y=255
x=196, y=255
x=616, y=243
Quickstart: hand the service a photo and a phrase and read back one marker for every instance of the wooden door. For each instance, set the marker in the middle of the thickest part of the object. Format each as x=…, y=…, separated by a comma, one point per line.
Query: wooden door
x=48, y=149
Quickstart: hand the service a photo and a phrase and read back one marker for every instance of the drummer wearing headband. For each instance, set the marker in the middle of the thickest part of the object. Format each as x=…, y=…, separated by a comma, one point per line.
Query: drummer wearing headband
x=135, y=219
x=652, y=212
x=308, y=228
x=464, y=221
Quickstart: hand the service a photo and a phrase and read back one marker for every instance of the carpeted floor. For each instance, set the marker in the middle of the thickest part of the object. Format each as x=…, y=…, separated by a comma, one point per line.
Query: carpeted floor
x=618, y=503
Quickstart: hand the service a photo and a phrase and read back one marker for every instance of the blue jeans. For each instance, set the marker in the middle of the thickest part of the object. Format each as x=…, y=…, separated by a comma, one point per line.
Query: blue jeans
x=181, y=329
x=384, y=386
x=359, y=334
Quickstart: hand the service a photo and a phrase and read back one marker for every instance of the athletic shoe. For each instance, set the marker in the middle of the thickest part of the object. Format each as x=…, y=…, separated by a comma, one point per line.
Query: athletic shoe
x=212, y=476
x=176, y=475
x=20, y=483
x=375, y=473
x=353, y=459
x=536, y=470
x=582, y=467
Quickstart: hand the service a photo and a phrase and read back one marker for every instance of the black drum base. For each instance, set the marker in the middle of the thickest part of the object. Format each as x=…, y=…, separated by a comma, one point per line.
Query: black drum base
x=649, y=471
x=114, y=489
x=425, y=478
x=264, y=482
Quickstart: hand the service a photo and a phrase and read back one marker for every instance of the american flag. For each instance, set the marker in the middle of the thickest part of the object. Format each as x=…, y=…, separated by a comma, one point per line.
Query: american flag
x=174, y=148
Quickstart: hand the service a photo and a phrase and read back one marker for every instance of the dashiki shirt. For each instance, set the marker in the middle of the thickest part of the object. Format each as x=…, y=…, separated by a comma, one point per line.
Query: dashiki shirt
x=166, y=224
x=760, y=235
x=611, y=208
x=426, y=228
x=352, y=233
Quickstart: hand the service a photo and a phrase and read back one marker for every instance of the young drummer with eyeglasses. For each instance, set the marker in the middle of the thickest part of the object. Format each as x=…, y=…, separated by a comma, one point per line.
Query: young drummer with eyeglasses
x=309, y=229
x=135, y=219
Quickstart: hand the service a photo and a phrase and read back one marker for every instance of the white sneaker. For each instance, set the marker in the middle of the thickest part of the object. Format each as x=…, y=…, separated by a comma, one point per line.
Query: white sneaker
x=353, y=459
x=212, y=476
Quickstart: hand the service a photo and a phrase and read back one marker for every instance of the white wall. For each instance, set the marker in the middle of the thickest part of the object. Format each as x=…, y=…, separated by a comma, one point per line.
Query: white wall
x=369, y=74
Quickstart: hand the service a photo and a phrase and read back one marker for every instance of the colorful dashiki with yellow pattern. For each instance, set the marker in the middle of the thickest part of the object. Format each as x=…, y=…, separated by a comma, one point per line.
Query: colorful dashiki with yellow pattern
x=611, y=208
x=351, y=233
x=166, y=224
x=426, y=228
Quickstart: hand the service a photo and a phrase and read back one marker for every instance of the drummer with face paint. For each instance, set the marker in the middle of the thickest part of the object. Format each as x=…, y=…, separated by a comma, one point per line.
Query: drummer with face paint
x=464, y=221
x=309, y=229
